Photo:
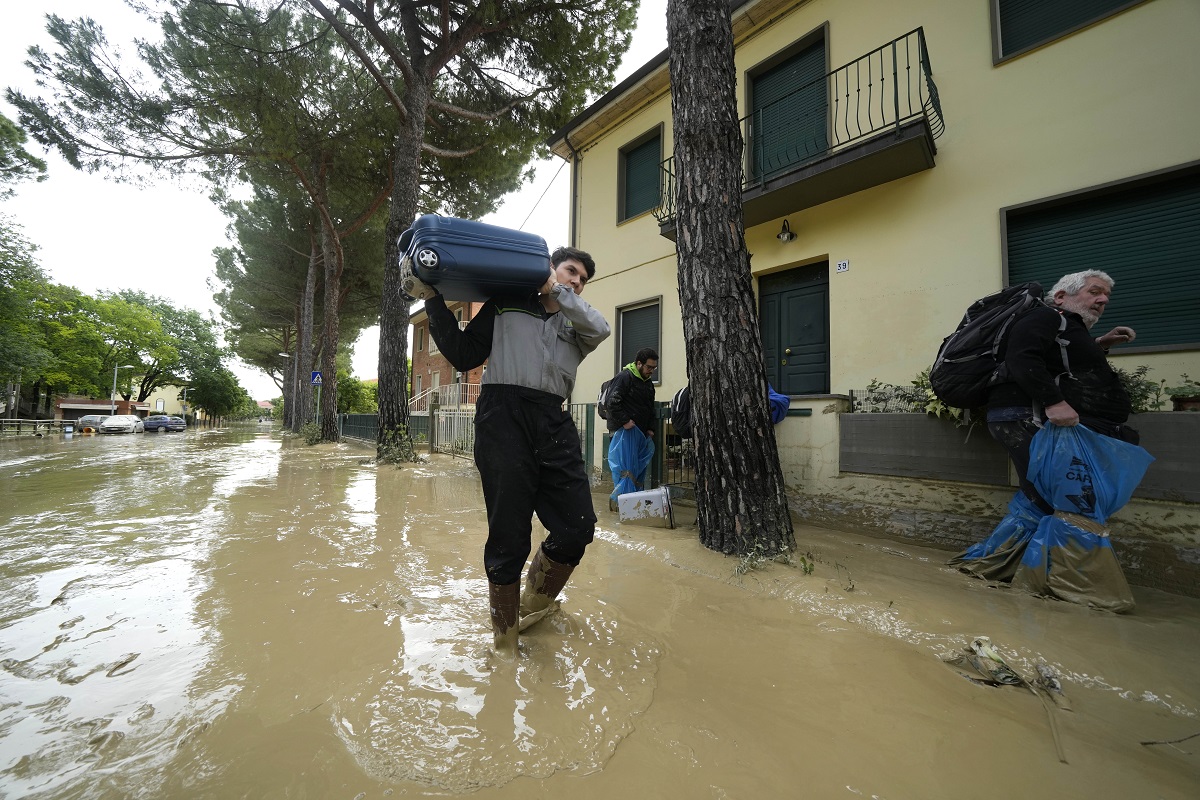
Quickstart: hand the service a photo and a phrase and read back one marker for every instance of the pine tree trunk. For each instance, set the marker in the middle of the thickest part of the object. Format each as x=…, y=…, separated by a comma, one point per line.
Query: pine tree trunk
x=394, y=310
x=304, y=401
x=331, y=254
x=740, y=500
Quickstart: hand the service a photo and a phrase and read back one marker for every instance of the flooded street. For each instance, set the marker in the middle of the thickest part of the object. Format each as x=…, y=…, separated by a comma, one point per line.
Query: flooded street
x=231, y=614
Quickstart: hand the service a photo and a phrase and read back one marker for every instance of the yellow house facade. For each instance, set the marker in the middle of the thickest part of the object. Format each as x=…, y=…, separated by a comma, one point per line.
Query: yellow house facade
x=903, y=159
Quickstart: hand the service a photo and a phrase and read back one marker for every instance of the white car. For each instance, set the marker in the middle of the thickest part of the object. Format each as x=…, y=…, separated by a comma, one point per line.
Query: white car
x=123, y=423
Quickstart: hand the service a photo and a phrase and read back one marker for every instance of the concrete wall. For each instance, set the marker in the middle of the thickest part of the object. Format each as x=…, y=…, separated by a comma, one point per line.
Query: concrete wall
x=1157, y=539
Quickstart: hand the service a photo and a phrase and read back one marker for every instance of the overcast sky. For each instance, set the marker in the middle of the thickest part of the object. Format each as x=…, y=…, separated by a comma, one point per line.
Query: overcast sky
x=93, y=233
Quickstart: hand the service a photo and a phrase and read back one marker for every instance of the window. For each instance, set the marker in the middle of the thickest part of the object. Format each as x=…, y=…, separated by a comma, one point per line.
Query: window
x=417, y=385
x=1144, y=232
x=1021, y=25
x=789, y=110
x=638, y=327
x=419, y=335
x=638, y=176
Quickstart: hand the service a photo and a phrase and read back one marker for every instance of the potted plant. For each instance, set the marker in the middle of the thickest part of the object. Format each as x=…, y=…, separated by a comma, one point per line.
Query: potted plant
x=1185, y=397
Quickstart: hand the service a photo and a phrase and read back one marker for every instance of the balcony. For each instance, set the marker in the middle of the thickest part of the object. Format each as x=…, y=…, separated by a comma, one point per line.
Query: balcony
x=869, y=122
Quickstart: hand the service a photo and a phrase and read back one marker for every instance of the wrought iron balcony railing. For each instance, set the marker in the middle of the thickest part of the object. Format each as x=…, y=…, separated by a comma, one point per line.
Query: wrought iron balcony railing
x=876, y=93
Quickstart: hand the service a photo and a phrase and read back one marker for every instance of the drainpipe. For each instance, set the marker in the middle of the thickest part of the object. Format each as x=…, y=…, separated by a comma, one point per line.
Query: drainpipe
x=574, y=235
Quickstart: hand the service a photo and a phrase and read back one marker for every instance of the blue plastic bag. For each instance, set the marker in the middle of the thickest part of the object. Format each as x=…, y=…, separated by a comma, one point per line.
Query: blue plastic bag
x=629, y=454
x=1082, y=472
x=996, y=557
x=1087, y=478
x=779, y=405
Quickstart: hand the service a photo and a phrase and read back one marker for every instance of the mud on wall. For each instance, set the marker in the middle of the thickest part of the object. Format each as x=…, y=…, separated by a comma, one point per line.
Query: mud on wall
x=1157, y=541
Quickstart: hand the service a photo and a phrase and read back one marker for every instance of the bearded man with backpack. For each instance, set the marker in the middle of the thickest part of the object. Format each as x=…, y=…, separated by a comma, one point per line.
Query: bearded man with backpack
x=1055, y=370
x=631, y=401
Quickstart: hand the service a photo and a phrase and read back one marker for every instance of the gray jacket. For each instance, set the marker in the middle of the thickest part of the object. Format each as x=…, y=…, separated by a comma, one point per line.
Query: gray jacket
x=523, y=344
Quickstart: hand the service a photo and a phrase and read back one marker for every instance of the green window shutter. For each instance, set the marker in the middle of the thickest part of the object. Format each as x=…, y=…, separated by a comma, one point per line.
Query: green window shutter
x=1026, y=23
x=641, y=178
x=639, y=328
x=1146, y=238
x=788, y=122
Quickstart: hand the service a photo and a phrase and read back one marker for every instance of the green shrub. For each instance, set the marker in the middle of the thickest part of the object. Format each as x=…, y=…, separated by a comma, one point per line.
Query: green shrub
x=396, y=447
x=311, y=432
x=1144, y=394
x=1189, y=388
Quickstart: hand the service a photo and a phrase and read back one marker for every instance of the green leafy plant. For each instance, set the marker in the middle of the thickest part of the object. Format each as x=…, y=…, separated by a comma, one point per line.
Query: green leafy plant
x=397, y=448
x=1189, y=388
x=917, y=397
x=311, y=433
x=1144, y=393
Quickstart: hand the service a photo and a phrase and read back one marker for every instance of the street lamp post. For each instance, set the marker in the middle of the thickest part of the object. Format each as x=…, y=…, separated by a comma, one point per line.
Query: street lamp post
x=112, y=399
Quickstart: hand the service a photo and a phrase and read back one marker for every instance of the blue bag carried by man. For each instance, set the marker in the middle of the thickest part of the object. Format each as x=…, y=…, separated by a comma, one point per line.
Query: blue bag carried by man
x=1087, y=477
x=629, y=454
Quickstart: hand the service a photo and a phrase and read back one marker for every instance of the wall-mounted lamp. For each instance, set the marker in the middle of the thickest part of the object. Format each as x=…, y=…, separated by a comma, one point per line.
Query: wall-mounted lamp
x=786, y=234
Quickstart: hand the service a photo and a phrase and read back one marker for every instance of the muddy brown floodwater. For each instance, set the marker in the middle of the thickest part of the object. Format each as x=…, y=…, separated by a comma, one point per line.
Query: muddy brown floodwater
x=231, y=614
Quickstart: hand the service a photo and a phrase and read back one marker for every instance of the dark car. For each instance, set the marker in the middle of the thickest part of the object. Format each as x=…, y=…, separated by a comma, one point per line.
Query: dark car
x=90, y=423
x=162, y=422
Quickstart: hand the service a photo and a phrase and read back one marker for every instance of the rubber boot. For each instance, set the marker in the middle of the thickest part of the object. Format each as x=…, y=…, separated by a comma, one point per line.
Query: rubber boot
x=545, y=580
x=505, y=603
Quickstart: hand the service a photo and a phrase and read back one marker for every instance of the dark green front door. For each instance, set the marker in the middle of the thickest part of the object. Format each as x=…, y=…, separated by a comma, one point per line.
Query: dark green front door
x=794, y=313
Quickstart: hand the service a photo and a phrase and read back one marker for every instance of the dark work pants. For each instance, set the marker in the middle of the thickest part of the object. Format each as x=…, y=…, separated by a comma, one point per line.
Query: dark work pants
x=529, y=459
x=1015, y=437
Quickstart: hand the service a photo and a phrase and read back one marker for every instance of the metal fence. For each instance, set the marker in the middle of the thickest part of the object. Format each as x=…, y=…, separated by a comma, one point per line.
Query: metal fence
x=673, y=463
x=452, y=430
x=37, y=426
x=359, y=426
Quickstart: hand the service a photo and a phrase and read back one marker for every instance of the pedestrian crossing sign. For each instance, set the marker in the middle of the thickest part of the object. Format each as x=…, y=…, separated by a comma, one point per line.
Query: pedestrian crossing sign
x=316, y=378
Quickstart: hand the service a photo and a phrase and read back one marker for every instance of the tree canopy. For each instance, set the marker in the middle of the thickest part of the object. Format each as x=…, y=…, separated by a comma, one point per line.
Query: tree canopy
x=22, y=346
x=16, y=163
x=475, y=89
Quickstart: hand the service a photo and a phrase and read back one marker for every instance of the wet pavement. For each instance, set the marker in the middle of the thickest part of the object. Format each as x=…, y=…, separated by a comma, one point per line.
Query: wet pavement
x=228, y=614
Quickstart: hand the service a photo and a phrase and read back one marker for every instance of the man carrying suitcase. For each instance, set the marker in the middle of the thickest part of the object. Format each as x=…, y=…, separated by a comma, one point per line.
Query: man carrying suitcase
x=526, y=445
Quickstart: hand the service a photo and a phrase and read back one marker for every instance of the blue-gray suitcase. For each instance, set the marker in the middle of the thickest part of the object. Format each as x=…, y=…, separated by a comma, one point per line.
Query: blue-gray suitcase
x=468, y=260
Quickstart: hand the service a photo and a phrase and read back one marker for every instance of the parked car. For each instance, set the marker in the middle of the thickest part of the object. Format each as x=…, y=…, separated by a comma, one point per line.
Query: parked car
x=163, y=422
x=123, y=423
x=90, y=421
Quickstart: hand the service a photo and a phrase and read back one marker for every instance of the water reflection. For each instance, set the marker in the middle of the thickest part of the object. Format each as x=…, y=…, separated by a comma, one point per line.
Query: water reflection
x=105, y=545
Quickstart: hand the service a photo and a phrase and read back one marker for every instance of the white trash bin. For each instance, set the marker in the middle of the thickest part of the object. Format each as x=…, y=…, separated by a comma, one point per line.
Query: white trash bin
x=651, y=507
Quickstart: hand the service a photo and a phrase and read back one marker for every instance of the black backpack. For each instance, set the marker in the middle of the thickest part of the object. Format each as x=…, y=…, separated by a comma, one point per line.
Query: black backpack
x=970, y=360
x=681, y=413
x=603, y=397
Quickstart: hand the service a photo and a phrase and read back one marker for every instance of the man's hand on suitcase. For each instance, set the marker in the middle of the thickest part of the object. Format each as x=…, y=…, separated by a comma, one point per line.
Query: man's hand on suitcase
x=548, y=286
x=417, y=289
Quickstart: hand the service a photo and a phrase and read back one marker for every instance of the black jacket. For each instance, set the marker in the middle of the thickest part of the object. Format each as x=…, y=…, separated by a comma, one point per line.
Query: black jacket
x=1033, y=360
x=632, y=398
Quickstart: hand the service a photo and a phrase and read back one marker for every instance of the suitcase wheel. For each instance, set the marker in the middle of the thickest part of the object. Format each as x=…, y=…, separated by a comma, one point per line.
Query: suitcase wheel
x=427, y=258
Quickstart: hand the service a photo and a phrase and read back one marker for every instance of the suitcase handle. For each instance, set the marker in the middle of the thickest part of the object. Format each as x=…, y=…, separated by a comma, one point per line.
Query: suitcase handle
x=405, y=240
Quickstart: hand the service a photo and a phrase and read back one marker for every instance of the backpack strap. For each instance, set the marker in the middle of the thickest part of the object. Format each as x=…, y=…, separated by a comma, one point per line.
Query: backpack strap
x=1039, y=416
x=1062, y=343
